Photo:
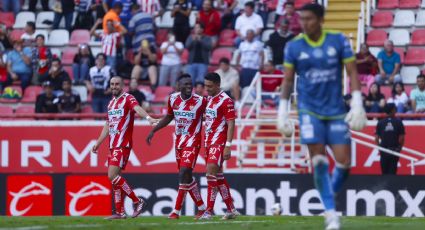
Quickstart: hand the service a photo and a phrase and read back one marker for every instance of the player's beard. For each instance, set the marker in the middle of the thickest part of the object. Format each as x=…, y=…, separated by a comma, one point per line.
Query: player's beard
x=116, y=92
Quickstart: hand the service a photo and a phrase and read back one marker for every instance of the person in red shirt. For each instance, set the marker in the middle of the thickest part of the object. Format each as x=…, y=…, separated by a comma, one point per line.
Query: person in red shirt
x=270, y=84
x=119, y=128
x=42, y=58
x=292, y=16
x=211, y=20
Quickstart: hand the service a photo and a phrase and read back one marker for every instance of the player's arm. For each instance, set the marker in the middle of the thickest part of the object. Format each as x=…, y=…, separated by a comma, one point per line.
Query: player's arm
x=142, y=113
x=356, y=117
x=161, y=124
x=230, y=133
x=283, y=123
x=103, y=135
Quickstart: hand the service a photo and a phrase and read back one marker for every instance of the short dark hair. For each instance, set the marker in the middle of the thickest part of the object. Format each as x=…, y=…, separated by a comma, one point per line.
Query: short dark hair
x=393, y=91
x=183, y=76
x=31, y=24
x=290, y=3
x=101, y=54
x=214, y=77
x=57, y=60
x=118, y=5
x=40, y=36
x=315, y=8
x=250, y=4
x=199, y=83
x=67, y=81
x=224, y=60
x=389, y=108
x=421, y=76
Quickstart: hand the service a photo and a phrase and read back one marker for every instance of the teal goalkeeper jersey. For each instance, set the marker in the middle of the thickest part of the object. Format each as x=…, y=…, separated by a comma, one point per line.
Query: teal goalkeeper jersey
x=319, y=69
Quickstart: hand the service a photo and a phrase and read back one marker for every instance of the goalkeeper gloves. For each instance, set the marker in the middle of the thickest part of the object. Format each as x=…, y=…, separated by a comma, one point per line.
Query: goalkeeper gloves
x=356, y=117
x=284, y=125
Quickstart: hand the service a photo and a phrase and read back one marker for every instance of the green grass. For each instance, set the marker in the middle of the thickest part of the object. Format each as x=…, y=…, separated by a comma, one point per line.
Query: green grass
x=187, y=223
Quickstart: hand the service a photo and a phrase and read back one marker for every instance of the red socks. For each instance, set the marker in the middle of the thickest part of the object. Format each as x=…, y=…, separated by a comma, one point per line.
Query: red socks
x=119, y=199
x=212, y=191
x=224, y=189
x=180, y=198
x=121, y=183
x=196, y=194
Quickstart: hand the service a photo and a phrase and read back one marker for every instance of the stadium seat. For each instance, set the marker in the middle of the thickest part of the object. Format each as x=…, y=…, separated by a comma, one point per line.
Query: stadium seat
x=45, y=33
x=162, y=93
x=16, y=34
x=82, y=91
x=404, y=18
x=31, y=94
x=420, y=18
x=219, y=53
x=227, y=37
x=79, y=37
x=22, y=18
x=400, y=51
x=423, y=4
x=18, y=89
x=409, y=74
x=161, y=36
x=42, y=17
x=68, y=55
x=382, y=19
x=266, y=35
x=409, y=4
x=271, y=20
x=386, y=90
x=58, y=37
x=7, y=18
x=400, y=37
x=375, y=50
x=388, y=4
x=166, y=21
x=87, y=109
x=272, y=5
x=415, y=56
x=418, y=37
x=301, y=3
x=68, y=69
x=376, y=37
x=25, y=109
x=57, y=52
x=184, y=57
x=144, y=88
x=7, y=110
x=96, y=50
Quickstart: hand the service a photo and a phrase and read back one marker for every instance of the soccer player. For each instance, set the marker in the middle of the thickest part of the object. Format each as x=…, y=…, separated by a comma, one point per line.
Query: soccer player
x=187, y=109
x=119, y=127
x=317, y=57
x=219, y=126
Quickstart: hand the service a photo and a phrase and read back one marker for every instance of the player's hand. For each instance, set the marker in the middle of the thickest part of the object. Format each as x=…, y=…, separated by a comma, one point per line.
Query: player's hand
x=149, y=138
x=152, y=121
x=284, y=125
x=356, y=117
x=95, y=148
x=227, y=153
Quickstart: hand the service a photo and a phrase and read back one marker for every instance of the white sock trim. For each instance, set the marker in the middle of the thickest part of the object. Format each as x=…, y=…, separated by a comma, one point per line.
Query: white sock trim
x=319, y=159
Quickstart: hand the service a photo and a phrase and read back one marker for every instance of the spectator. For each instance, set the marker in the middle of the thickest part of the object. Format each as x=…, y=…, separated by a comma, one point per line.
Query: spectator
x=83, y=60
x=292, y=16
x=98, y=84
x=19, y=64
x=390, y=134
x=250, y=57
x=69, y=102
x=110, y=41
x=248, y=21
x=228, y=7
x=41, y=59
x=171, y=63
x=277, y=42
x=399, y=98
x=29, y=36
x=5, y=40
x=84, y=10
x=271, y=84
x=141, y=28
x=181, y=13
x=46, y=102
x=375, y=100
x=151, y=7
x=64, y=9
x=210, y=18
x=133, y=90
x=366, y=65
x=3, y=73
x=125, y=16
x=262, y=9
x=11, y=6
x=199, y=47
x=229, y=78
x=199, y=89
x=57, y=75
x=145, y=59
x=389, y=65
x=113, y=15
x=417, y=96
x=33, y=4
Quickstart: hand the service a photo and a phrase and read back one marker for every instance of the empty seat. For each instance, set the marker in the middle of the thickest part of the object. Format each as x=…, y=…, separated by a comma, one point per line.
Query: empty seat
x=420, y=18
x=42, y=17
x=387, y=4
x=25, y=109
x=415, y=56
x=4, y=109
x=382, y=19
x=16, y=34
x=219, y=53
x=79, y=37
x=227, y=37
x=31, y=94
x=400, y=51
x=161, y=36
x=266, y=35
x=376, y=37
x=404, y=18
x=22, y=18
x=409, y=4
x=166, y=21
x=162, y=93
x=58, y=37
x=418, y=37
x=409, y=74
x=68, y=55
x=45, y=33
x=400, y=37
x=7, y=18
x=87, y=109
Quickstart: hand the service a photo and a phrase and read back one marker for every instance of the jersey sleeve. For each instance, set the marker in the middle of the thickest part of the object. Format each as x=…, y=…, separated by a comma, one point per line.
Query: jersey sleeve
x=347, y=52
x=170, y=111
x=132, y=102
x=289, y=59
x=229, y=110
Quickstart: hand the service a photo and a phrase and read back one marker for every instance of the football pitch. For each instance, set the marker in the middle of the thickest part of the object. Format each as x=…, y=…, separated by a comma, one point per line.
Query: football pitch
x=187, y=223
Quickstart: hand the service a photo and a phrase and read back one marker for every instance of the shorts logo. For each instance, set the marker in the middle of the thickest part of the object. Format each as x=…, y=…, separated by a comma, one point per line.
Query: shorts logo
x=115, y=154
x=212, y=157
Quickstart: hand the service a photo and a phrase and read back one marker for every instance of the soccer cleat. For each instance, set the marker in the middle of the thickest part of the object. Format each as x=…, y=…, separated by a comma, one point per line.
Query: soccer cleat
x=138, y=208
x=332, y=221
x=207, y=215
x=173, y=216
x=231, y=215
x=199, y=214
x=116, y=216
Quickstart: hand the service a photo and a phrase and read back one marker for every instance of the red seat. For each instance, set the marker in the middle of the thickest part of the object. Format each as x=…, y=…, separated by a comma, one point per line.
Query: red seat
x=272, y=4
x=68, y=55
x=387, y=4
x=386, y=90
x=7, y=18
x=212, y=68
x=227, y=37
x=219, y=53
x=87, y=109
x=4, y=109
x=161, y=36
x=31, y=94
x=300, y=3
x=409, y=4
x=25, y=109
x=144, y=88
x=79, y=37
x=184, y=57
x=415, y=56
x=16, y=34
x=418, y=37
x=376, y=37
x=68, y=69
x=129, y=55
x=400, y=51
x=382, y=19
x=162, y=93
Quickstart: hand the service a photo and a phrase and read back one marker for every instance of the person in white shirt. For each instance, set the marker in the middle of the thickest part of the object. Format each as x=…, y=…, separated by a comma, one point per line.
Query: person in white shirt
x=171, y=61
x=250, y=58
x=248, y=21
x=399, y=98
x=229, y=78
x=29, y=36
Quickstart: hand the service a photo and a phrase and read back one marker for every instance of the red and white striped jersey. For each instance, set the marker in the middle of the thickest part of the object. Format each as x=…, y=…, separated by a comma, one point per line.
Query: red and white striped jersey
x=110, y=43
x=220, y=109
x=121, y=121
x=188, y=118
